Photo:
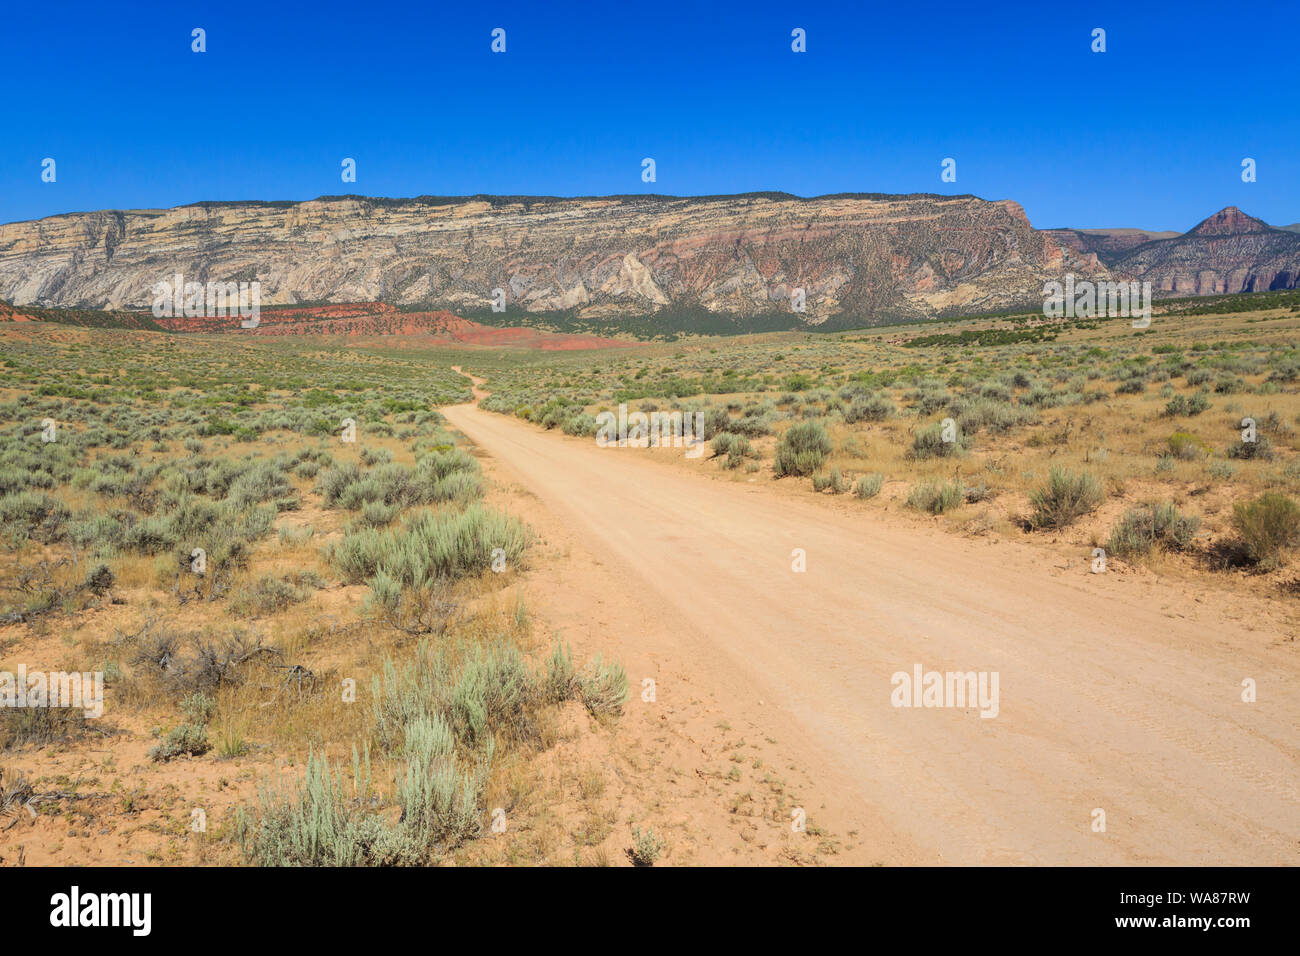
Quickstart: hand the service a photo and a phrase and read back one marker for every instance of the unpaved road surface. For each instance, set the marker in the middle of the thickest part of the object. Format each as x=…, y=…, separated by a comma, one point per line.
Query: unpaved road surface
x=1120, y=695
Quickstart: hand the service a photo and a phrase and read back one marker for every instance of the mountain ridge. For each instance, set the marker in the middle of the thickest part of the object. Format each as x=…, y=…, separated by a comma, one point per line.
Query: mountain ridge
x=857, y=258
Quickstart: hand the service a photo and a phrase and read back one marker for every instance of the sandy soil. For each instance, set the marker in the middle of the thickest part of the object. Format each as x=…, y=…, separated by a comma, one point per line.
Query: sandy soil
x=1117, y=692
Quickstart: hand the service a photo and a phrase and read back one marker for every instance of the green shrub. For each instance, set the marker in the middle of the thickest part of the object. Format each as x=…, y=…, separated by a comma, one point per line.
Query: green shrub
x=1065, y=498
x=869, y=408
x=267, y=595
x=334, y=482
x=802, y=449
x=39, y=725
x=646, y=847
x=990, y=414
x=1267, y=527
x=1260, y=449
x=491, y=697
x=928, y=443
x=603, y=688
x=32, y=513
x=936, y=497
x=441, y=804
x=320, y=821
x=432, y=544
x=582, y=425
x=834, y=481
x=869, y=486
x=198, y=708
x=1150, y=526
x=1186, y=446
x=752, y=425
x=1182, y=405
x=185, y=740
x=559, y=680
x=722, y=443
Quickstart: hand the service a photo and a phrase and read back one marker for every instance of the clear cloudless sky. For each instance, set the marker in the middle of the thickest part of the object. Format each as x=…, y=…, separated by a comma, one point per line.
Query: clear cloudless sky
x=1149, y=134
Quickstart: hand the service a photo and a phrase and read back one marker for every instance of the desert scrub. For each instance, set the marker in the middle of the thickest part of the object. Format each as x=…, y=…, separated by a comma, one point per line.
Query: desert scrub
x=992, y=414
x=323, y=820
x=1260, y=449
x=603, y=688
x=802, y=449
x=39, y=725
x=928, y=443
x=646, y=847
x=442, y=716
x=270, y=595
x=558, y=680
x=869, y=408
x=833, y=480
x=493, y=697
x=583, y=425
x=185, y=740
x=1268, y=526
x=198, y=708
x=447, y=475
x=1183, y=405
x=736, y=448
x=936, y=497
x=869, y=486
x=1149, y=526
x=432, y=544
x=1064, y=498
x=485, y=693
x=1186, y=447
x=33, y=514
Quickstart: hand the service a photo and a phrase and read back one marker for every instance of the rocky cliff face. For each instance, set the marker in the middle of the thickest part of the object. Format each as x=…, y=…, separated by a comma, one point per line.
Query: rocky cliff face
x=1228, y=252
x=857, y=257
x=1108, y=245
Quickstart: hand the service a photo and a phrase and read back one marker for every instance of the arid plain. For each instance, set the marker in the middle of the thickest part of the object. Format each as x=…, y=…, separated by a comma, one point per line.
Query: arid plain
x=613, y=655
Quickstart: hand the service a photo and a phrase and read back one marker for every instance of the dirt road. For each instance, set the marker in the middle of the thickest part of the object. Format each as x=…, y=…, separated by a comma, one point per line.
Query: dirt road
x=1115, y=694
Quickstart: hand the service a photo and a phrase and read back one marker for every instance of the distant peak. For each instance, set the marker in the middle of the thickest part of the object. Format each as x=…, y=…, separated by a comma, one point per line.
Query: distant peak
x=1229, y=221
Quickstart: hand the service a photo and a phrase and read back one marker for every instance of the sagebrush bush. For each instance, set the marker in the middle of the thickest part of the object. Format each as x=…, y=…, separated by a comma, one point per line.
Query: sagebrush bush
x=869, y=486
x=936, y=497
x=185, y=740
x=646, y=847
x=833, y=480
x=1268, y=526
x=869, y=408
x=1064, y=498
x=322, y=821
x=33, y=514
x=991, y=414
x=39, y=725
x=722, y=442
x=267, y=595
x=802, y=449
x=928, y=443
x=1260, y=449
x=603, y=688
x=432, y=544
x=1152, y=525
x=1186, y=446
x=1183, y=405
x=558, y=681
x=493, y=696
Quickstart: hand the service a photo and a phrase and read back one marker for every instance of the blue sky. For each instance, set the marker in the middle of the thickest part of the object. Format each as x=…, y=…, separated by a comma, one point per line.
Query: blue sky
x=1150, y=134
